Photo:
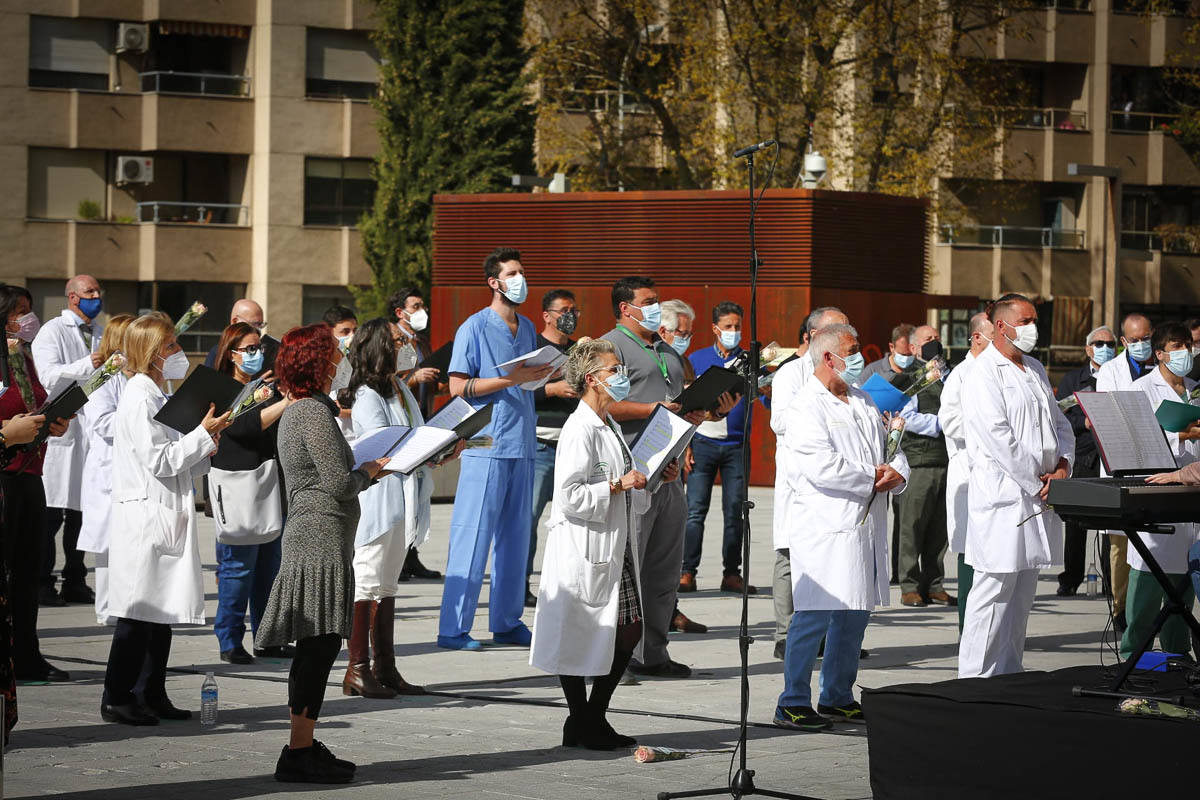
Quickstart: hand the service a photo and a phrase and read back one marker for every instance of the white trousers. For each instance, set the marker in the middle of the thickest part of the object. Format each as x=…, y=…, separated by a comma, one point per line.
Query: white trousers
x=993, y=637
x=377, y=566
x=101, y=579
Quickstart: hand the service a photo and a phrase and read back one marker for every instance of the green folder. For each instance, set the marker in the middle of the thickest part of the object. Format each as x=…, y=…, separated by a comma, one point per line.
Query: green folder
x=1175, y=416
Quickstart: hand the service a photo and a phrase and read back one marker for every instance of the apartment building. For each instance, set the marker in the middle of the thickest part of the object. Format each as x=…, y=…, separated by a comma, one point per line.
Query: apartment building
x=187, y=149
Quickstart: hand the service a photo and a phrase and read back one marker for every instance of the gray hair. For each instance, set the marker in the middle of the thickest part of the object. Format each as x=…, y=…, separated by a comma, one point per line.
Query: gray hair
x=584, y=358
x=672, y=310
x=827, y=339
x=1091, y=337
x=813, y=320
x=978, y=321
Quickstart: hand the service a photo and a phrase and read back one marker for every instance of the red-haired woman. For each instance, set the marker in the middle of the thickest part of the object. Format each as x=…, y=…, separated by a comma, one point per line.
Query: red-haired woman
x=313, y=597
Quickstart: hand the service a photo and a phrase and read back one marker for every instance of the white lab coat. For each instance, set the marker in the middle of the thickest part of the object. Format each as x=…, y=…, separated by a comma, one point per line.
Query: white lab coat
x=839, y=562
x=575, y=625
x=958, y=471
x=1170, y=550
x=1014, y=432
x=396, y=502
x=97, y=421
x=61, y=358
x=154, y=560
x=789, y=380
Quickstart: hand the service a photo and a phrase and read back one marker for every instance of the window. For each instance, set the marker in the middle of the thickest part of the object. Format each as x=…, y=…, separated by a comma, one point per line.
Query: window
x=175, y=297
x=69, y=53
x=337, y=191
x=341, y=64
x=318, y=299
x=60, y=181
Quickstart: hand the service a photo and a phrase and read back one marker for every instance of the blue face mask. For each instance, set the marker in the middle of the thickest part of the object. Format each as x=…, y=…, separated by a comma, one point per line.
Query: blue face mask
x=515, y=289
x=252, y=364
x=1102, y=353
x=730, y=339
x=1181, y=362
x=651, y=317
x=854, y=367
x=681, y=343
x=90, y=306
x=1140, y=350
x=617, y=386
x=903, y=362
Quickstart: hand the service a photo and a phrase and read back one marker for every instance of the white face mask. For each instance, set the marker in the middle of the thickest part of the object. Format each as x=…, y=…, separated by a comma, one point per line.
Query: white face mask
x=175, y=366
x=1027, y=337
x=418, y=320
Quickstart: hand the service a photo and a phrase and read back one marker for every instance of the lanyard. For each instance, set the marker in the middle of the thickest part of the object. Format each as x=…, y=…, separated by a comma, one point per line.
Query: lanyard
x=662, y=362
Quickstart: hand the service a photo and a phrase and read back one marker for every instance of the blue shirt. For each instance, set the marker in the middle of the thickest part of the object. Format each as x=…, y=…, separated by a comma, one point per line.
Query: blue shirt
x=1136, y=368
x=480, y=343
x=708, y=357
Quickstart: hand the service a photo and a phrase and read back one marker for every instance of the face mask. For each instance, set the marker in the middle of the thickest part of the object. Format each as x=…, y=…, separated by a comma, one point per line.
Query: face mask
x=617, y=386
x=419, y=320
x=344, y=343
x=515, y=289
x=252, y=364
x=1102, y=353
x=175, y=366
x=90, y=306
x=566, y=322
x=1027, y=336
x=1181, y=362
x=681, y=343
x=406, y=358
x=931, y=350
x=651, y=316
x=1140, y=350
x=903, y=362
x=730, y=339
x=854, y=367
x=29, y=326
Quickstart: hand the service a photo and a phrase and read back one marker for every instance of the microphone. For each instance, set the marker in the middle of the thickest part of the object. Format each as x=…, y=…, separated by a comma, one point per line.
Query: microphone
x=754, y=148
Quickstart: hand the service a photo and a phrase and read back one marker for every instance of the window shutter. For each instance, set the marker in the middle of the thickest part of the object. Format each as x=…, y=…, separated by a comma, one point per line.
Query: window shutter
x=341, y=56
x=59, y=44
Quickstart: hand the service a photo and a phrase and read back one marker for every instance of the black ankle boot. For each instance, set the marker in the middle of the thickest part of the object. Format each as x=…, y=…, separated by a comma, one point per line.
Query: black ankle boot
x=613, y=736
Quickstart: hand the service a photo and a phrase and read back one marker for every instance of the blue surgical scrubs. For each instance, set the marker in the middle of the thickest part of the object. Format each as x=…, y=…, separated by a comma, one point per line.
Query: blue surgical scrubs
x=495, y=485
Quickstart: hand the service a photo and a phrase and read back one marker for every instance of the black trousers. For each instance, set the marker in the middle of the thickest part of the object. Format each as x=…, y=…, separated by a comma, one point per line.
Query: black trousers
x=310, y=672
x=139, y=650
x=1075, y=544
x=74, y=571
x=24, y=522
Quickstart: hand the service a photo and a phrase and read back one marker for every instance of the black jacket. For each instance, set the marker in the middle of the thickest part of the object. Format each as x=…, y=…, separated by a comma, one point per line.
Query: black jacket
x=1087, y=456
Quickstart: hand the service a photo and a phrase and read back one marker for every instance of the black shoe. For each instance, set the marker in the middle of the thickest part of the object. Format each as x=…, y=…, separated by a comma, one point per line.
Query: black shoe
x=851, y=712
x=310, y=765
x=800, y=718
x=863, y=653
x=530, y=599
x=275, y=651
x=415, y=569
x=667, y=669
x=237, y=655
x=618, y=739
x=330, y=757
x=48, y=597
x=590, y=735
x=42, y=673
x=781, y=649
x=1066, y=591
x=78, y=593
x=165, y=709
x=130, y=714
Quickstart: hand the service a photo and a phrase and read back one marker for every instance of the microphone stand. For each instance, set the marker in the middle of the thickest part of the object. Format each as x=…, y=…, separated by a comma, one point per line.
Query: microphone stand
x=741, y=781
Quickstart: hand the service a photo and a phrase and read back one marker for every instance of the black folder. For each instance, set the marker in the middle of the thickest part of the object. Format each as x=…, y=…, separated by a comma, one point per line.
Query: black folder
x=704, y=392
x=185, y=409
x=439, y=359
x=64, y=406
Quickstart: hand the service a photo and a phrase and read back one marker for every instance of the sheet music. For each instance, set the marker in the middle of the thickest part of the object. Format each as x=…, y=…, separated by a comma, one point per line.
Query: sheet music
x=665, y=437
x=376, y=444
x=451, y=415
x=1129, y=436
x=418, y=447
x=543, y=356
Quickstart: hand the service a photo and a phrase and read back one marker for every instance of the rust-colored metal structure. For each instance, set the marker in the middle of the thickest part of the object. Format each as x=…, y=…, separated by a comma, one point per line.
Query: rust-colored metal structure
x=865, y=253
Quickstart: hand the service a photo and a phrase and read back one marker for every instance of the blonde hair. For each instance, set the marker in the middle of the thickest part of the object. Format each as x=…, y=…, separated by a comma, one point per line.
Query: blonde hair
x=114, y=334
x=144, y=338
x=584, y=358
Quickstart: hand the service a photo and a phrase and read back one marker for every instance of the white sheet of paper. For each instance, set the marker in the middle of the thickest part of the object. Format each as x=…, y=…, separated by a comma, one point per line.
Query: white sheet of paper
x=665, y=436
x=418, y=447
x=548, y=355
x=1129, y=435
x=451, y=415
x=376, y=444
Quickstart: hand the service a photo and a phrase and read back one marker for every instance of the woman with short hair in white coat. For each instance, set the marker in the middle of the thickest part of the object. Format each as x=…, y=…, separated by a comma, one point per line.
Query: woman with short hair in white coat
x=588, y=618
x=97, y=419
x=154, y=559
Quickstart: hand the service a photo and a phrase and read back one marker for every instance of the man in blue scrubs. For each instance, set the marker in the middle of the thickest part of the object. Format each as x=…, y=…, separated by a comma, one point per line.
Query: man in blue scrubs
x=495, y=486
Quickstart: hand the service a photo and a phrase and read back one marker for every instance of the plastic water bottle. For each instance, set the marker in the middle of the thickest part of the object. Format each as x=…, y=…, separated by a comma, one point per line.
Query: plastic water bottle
x=1093, y=582
x=208, y=701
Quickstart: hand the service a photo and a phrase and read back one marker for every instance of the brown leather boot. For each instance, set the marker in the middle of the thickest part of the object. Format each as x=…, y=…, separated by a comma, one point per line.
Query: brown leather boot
x=359, y=680
x=382, y=638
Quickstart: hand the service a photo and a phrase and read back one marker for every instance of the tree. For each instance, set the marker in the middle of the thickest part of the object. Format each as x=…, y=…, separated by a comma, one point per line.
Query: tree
x=454, y=116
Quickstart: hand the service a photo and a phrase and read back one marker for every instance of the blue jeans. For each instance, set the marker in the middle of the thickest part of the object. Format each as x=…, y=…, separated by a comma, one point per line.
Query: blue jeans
x=543, y=493
x=1194, y=568
x=843, y=632
x=710, y=459
x=245, y=573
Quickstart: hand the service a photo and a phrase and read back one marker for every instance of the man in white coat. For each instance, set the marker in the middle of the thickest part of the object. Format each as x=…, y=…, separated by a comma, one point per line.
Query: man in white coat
x=839, y=475
x=1135, y=361
x=65, y=352
x=789, y=380
x=1018, y=441
x=959, y=471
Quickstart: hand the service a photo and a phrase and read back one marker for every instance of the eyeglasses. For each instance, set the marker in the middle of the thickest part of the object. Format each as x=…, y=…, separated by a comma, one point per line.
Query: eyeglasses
x=618, y=369
x=1104, y=343
x=1137, y=341
x=249, y=349
x=574, y=311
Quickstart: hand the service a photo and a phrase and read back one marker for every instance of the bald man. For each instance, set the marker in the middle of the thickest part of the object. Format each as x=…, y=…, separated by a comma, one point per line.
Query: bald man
x=247, y=311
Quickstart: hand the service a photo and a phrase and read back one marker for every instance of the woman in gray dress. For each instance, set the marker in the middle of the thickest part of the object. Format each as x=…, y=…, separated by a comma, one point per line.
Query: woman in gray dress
x=313, y=596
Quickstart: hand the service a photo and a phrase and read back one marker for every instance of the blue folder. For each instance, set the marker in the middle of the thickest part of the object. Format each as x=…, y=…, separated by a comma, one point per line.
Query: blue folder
x=886, y=396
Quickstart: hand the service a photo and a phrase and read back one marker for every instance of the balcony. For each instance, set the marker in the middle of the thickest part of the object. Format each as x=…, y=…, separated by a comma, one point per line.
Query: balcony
x=1174, y=243
x=1008, y=236
x=1028, y=117
x=196, y=83
x=1140, y=122
x=231, y=214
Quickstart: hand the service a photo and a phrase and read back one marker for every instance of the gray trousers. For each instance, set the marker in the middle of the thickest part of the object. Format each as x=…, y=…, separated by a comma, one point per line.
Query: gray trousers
x=660, y=551
x=781, y=593
x=923, y=541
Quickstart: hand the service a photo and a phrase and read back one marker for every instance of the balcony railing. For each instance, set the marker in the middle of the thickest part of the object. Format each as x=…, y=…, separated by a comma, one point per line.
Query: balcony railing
x=1068, y=5
x=194, y=213
x=1062, y=119
x=204, y=83
x=1167, y=243
x=1011, y=236
x=1140, y=121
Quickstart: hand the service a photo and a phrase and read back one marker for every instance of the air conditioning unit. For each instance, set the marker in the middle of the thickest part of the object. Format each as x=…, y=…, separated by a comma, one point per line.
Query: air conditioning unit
x=133, y=37
x=134, y=169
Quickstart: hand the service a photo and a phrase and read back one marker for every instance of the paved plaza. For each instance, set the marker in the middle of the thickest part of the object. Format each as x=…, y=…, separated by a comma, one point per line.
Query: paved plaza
x=493, y=727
